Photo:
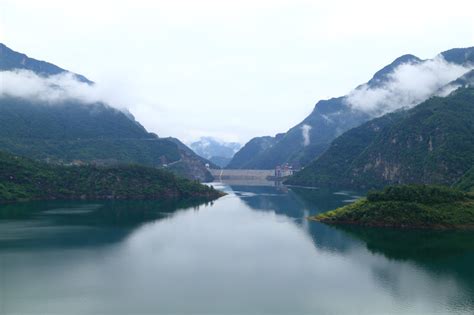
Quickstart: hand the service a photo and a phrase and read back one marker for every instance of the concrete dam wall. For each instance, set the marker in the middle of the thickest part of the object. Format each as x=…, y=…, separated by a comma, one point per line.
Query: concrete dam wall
x=241, y=174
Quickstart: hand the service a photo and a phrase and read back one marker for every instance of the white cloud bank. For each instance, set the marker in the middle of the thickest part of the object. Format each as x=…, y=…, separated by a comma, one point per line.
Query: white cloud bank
x=408, y=85
x=58, y=88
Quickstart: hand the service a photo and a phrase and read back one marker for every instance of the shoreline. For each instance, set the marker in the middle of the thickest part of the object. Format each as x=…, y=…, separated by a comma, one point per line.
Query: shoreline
x=394, y=226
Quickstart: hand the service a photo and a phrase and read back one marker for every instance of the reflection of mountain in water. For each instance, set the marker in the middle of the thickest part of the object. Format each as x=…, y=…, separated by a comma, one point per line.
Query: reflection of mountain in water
x=448, y=253
x=423, y=246
x=440, y=252
x=298, y=203
x=67, y=224
x=252, y=249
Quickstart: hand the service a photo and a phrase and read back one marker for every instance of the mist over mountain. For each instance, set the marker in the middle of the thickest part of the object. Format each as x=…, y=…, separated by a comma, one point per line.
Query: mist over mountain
x=215, y=150
x=28, y=78
x=403, y=84
x=50, y=114
x=465, y=80
x=406, y=85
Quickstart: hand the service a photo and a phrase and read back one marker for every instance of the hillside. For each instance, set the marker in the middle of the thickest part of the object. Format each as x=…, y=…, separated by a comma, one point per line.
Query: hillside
x=70, y=130
x=466, y=182
x=432, y=143
x=25, y=179
x=328, y=120
x=416, y=206
x=331, y=118
x=250, y=151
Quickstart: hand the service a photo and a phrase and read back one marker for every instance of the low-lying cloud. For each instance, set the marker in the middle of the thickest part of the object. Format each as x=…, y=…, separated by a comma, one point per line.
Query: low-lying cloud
x=57, y=88
x=408, y=85
x=305, y=133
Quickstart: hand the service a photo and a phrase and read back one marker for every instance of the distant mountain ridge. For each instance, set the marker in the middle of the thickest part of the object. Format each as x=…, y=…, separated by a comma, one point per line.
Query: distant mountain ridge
x=73, y=131
x=217, y=151
x=329, y=119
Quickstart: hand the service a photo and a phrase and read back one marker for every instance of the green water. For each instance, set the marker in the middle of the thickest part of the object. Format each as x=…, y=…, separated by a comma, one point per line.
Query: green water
x=250, y=252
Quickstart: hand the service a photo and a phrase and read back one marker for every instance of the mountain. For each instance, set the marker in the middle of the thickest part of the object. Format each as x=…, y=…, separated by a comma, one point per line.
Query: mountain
x=12, y=60
x=25, y=179
x=220, y=161
x=70, y=130
x=328, y=120
x=190, y=163
x=384, y=92
x=459, y=55
x=252, y=149
x=432, y=143
x=219, y=152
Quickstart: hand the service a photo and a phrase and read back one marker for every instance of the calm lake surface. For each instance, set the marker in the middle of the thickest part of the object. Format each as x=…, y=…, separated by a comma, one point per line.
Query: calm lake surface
x=250, y=252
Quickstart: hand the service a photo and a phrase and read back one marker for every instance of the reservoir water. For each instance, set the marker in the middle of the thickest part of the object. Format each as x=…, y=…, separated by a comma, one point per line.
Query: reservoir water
x=250, y=252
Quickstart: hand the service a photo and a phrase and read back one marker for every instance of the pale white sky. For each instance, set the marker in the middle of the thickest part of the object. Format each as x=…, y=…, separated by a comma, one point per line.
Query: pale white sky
x=230, y=69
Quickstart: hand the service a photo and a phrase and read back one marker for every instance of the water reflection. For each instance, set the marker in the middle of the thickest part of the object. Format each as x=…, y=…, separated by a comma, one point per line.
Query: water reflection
x=441, y=253
x=298, y=204
x=251, y=252
x=39, y=225
x=446, y=255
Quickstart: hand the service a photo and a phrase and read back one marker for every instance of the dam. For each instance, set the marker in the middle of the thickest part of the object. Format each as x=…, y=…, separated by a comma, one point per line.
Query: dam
x=241, y=174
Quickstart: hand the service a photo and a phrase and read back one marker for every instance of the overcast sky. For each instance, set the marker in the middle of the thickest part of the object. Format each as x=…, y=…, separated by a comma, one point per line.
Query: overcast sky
x=230, y=69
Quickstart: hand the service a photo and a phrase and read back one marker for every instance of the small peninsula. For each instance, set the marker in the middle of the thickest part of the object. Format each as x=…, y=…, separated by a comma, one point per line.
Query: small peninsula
x=407, y=206
x=22, y=179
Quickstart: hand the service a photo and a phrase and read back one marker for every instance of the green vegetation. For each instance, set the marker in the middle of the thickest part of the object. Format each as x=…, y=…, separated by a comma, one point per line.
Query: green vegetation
x=417, y=193
x=24, y=179
x=433, y=143
x=91, y=133
x=410, y=206
x=466, y=183
x=330, y=169
x=75, y=131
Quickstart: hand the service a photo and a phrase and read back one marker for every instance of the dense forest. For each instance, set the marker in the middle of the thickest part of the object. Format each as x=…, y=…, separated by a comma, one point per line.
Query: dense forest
x=25, y=179
x=407, y=206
